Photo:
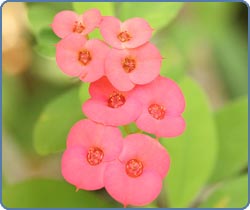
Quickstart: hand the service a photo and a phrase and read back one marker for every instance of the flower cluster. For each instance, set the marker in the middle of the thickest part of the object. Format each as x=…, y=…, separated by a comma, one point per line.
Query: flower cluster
x=125, y=87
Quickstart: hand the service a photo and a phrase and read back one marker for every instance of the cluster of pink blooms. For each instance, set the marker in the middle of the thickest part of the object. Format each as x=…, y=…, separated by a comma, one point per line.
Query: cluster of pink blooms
x=125, y=87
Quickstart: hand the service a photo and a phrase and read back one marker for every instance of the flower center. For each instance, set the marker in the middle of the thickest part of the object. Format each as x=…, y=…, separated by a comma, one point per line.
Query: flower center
x=116, y=100
x=94, y=156
x=84, y=57
x=78, y=27
x=128, y=64
x=124, y=36
x=157, y=111
x=134, y=168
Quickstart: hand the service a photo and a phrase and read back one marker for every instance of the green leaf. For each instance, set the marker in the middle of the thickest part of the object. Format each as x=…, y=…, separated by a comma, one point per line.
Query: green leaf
x=40, y=15
x=106, y=8
x=193, y=154
x=84, y=92
x=173, y=63
x=47, y=36
x=45, y=50
x=158, y=14
x=42, y=193
x=46, y=40
x=95, y=34
x=231, y=53
x=54, y=123
x=47, y=69
x=22, y=104
x=232, y=126
x=227, y=40
x=231, y=194
x=129, y=129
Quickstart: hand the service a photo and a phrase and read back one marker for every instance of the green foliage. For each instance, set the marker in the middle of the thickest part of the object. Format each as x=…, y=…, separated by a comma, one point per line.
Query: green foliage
x=158, y=14
x=45, y=50
x=42, y=193
x=47, y=69
x=47, y=36
x=230, y=194
x=128, y=129
x=233, y=63
x=173, y=63
x=193, y=154
x=46, y=41
x=228, y=42
x=40, y=17
x=106, y=8
x=232, y=129
x=23, y=100
x=95, y=34
x=40, y=14
x=54, y=123
x=84, y=92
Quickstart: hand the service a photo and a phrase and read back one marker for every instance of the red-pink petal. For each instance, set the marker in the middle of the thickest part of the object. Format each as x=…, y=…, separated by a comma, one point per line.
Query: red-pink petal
x=139, y=30
x=137, y=191
x=86, y=134
x=77, y=171
x=99, y=111
x=110, y=27
x=170, y=126
x=115, y=72
x=162, y=91
x=94, y=70
x=148, y=64
x=63, y=23
x=173, y=96
x=91, y=19
x=148, y=150
x=101, y=89
x=67, y=54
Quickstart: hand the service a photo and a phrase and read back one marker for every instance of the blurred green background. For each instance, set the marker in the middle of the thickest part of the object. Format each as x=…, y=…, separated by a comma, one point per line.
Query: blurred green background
x=205, y=46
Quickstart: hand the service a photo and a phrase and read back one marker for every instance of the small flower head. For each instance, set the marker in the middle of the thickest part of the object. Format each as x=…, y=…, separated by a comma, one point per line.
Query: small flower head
x=67, y=22
x=163, y=103
x=126, y=68
x=137, y=176
x=109, y=105
x=90, y=147
x=132, y=33
x=78, y=57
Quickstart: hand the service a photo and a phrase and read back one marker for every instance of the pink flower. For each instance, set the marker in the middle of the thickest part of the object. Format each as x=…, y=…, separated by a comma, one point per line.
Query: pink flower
x=163, y=104
x=137, y=176
x=109, y=105
x=67, y=22
x=130, y=34
x=126, y=68
x=90, y=147
x=78, y=57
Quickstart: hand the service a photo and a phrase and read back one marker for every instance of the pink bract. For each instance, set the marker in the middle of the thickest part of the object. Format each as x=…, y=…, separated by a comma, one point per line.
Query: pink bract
x=128, y=67
x=67, y=22
x=163, y=103
x=90, y=148
x=137, y=176
x=78, y=57
x=110, y=106
x=132, y=33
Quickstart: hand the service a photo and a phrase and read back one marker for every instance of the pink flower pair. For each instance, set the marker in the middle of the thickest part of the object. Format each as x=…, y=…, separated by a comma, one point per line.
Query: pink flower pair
x=131, y=169
x=155, y=108
x=132, y=60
